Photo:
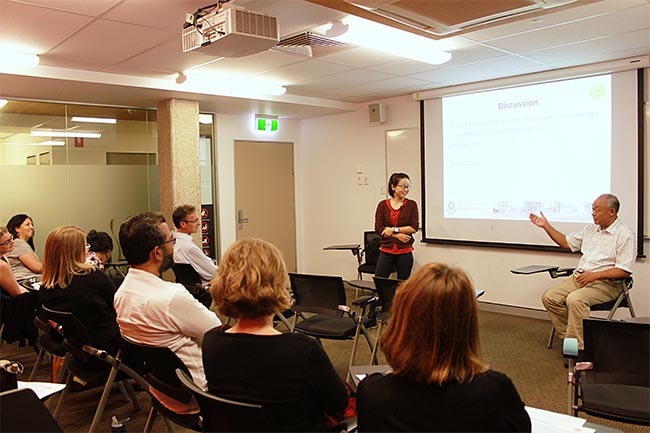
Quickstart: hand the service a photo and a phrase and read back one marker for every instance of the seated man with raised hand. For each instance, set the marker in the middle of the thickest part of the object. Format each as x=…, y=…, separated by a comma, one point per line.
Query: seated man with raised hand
x=154, y=312
x=608, y=253
x=187, y=222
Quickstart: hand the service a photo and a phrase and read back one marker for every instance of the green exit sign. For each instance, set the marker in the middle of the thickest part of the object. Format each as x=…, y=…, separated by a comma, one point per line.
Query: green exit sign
x=266, y=123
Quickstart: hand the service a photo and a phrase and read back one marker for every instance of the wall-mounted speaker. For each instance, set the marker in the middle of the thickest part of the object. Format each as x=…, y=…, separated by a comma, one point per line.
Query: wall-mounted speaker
x=377, y=113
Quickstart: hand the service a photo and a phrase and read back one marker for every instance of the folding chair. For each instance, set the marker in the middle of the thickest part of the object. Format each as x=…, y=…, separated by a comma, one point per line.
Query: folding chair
x=371, y=244
x=220, y=414
x=161, y=364
x=324, y=297
x=623, y=301
x=613, y=378
x=386, y=288
x=80, y=366
x=17, y=319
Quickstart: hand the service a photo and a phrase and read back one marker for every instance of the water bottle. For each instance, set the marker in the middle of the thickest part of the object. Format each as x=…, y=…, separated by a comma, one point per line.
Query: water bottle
x=118, y=426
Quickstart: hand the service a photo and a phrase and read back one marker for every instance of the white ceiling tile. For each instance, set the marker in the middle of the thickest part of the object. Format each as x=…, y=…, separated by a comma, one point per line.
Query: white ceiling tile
x=41, y=31
x=639, y=39
x=553, y=18
x=159, y=14
x=167, y=57
x=583, y=30
x=359, y=57
x=402, y=67
x=91, y=44
x=88, y=7
x=354, y=77
x=255, y=64
x=302, y=71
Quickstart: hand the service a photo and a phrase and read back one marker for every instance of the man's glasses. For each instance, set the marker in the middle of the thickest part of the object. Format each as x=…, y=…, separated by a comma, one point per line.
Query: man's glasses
x=192, y=221
x=170, y=241
x=7, y=242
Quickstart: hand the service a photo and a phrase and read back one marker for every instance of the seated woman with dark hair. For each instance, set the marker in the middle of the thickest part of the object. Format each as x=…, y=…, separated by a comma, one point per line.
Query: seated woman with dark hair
x=288, y=373
x=100, y=245
x=24, y=262
x=69, y=284
x=438, y=383
x=9, y=287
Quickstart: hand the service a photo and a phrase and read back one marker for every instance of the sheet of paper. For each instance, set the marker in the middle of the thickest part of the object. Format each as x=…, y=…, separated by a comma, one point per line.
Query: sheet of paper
x=42, y=389
x=361, y=376
x=544, y=421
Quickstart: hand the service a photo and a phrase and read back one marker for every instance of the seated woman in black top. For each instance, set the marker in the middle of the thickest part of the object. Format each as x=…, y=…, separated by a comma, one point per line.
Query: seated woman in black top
x=438, y=382
x=9, y=287
x=288, y=373
x=69, y=284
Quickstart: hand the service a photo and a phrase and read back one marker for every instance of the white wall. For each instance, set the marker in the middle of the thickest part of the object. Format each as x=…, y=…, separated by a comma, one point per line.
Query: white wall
x=335, y=210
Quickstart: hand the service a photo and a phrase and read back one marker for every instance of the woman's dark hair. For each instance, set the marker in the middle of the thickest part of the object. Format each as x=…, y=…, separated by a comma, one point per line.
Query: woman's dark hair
x=100, y=242
x=433, y=335
x=15, y=222
x=394, y=180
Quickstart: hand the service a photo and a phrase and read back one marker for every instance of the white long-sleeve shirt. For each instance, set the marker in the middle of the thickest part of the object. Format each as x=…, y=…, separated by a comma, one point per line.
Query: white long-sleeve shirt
x=186, y=251
x=158, y=313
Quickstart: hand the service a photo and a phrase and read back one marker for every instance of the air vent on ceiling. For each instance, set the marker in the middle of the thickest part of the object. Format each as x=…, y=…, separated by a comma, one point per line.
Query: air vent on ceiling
x=444, y=17
x=310, y=45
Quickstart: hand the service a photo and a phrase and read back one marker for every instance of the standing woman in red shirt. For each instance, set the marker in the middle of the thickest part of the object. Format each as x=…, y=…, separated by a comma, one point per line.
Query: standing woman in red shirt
x=396, y=220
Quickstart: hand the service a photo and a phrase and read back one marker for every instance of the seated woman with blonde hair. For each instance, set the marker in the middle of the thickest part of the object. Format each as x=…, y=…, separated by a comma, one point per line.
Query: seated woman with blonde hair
x=438, y=383
x=9, y=287
x=290, y=374
x=69, y=284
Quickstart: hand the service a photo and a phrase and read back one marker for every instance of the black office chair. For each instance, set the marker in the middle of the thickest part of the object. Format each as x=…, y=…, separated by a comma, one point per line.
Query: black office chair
x=49, y=345
x=323, y=299
x=82, y=368
x=613, y=378
x=386, y=288
x=371, y=244
x=220, y=414
x=23, y=412
x=187, y=276
x=161, y=365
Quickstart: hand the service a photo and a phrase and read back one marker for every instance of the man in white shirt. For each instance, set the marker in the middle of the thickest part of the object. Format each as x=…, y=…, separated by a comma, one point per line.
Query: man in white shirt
x=152, y=311
x=187, y=222
x=608, y=253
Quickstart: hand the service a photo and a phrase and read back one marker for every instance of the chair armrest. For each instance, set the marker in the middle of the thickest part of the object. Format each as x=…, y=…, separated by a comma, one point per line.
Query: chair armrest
x=344, y=308
x=561, y=272
x=345, y=426
x=364, y=300
x=583, y=366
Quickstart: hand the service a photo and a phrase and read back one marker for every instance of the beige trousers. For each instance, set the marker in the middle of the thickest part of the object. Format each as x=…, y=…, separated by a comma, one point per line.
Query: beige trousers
x=568, y=303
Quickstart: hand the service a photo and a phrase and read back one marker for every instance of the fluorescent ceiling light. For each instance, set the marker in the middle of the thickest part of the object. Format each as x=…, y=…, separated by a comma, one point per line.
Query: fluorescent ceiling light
x=94, y=120
x=3, y=102
x=18, y=60
x=51, y=143
x=64, y=134
x=240, y=86
x=387, y=39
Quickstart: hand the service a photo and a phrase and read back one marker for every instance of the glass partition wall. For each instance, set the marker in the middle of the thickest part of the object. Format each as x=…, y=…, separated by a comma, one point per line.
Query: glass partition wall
x=72, y=164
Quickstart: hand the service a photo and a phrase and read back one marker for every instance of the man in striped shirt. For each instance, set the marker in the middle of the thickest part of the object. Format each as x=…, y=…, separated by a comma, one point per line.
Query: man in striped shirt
x=608, y=253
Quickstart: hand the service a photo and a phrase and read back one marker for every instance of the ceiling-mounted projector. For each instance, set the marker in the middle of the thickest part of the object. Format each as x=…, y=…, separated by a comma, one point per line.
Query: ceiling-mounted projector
x=230, y=32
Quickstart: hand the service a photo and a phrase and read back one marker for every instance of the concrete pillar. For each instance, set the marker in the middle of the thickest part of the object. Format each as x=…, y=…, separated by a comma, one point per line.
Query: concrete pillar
x=178, y=156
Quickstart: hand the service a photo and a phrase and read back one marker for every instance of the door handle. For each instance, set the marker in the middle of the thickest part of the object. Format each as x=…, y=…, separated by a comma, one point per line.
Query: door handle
x=240, y=219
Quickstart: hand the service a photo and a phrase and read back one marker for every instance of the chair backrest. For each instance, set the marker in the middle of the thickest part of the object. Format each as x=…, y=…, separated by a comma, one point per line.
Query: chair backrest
x=22, y=411
x=320, y=294
x=17, y=317
x=371, y=244
x=386, y=288
x=186, y=274
x=618, y=350
x=161, y=365
x=224, y=415
x=75, y=333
